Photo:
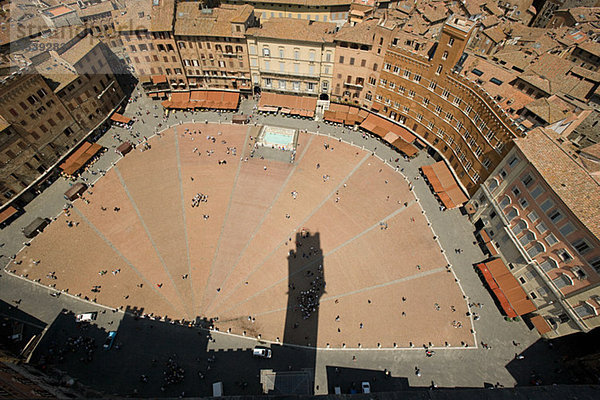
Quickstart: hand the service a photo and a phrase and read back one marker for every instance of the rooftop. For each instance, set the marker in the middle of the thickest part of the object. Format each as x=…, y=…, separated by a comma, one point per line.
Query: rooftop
x=193, y=20
x=310, y=3
x=591, y=47
x=58, y=11
x=295, y=29
x=551, y=109
x=55, y=70
x=3, y=123
x=95, y=9
x=566, y=177
x=145, y=15
x=79, y=50
x=362, y=33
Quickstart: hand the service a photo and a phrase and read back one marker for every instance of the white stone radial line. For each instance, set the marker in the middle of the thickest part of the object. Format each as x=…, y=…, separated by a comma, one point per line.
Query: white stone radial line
x=162, y=261
x=114, y=248
x=233, y=190
x=312, y=263
x=365, y=289
x=264, y=217
x=185, y=231
x=299, y=226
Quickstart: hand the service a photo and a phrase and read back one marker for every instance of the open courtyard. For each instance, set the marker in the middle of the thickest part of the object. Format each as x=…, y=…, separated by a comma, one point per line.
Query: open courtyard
x=196, y=227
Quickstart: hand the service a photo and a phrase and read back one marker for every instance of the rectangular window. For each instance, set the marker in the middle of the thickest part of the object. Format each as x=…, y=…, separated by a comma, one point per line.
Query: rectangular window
x=445, y=93
x=266, y=52
x=555, y=216
x=281, y=67
x=566, y=229
x=439, y=69
x=432, y=85
x=541, y=227
x=513, y=161
x=527, y=180
x=551, y=239
x=533, y=216
x=281, y=53
x=537, y=191
x=595, y=263
x=546, y=205
x=523, y=202
x=565, y=256
x=341, y=59
x=581, y=246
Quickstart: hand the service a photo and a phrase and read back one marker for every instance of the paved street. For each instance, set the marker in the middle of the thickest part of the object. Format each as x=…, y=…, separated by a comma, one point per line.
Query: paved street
x=472, y=367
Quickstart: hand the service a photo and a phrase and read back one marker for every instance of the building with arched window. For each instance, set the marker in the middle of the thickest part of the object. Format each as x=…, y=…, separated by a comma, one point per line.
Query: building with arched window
x=541, y=208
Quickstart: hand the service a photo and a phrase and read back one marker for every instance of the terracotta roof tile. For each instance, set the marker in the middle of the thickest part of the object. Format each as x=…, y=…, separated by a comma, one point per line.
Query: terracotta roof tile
x=192, y=20
x=566, y=177
x=362, y=33
x=295, y=29
x=551, y=109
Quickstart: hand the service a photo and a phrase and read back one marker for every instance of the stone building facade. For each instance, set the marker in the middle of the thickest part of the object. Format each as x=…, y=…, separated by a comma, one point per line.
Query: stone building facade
x=421, y=89
x=540, y=208
x=292, y=56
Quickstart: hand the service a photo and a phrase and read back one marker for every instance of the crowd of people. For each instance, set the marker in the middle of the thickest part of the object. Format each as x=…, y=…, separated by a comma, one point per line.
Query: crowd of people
x=308, y=300
x=199, y=198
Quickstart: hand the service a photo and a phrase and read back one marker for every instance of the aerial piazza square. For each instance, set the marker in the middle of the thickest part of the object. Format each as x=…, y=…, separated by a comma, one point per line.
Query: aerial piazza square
x=330, y=251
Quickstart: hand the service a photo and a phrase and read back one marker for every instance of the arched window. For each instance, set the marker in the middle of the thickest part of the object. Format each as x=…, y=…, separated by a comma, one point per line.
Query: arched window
x=239, y=49
x=218, y=47
x=549, y=265
x=493, y=184
x=536, y=249
x=519, y=226
x=562, y=281
x=527, y=238
x=511, y=213
x=505, y=201
x=585, y=310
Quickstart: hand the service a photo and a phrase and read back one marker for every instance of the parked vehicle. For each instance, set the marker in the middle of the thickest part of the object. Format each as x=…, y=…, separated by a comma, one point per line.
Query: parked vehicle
x=366, y=387
x=110, y=339
x=86, y=317
x=262, y=352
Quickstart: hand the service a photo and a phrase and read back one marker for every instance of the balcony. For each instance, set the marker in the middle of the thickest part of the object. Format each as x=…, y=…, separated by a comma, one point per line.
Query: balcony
x=290, y=74
x=353, y=85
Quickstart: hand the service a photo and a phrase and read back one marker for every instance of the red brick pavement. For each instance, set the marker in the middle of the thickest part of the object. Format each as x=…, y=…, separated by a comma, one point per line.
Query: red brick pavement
x=243, y=247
